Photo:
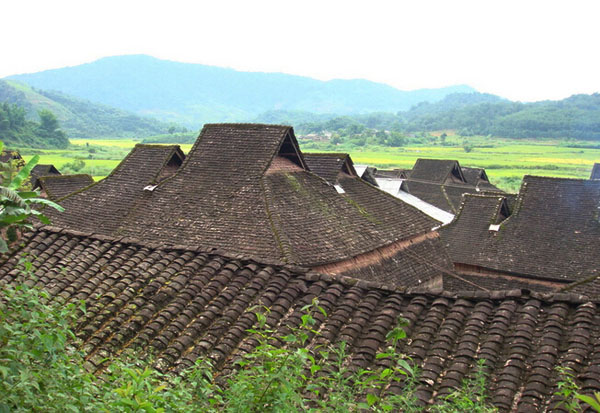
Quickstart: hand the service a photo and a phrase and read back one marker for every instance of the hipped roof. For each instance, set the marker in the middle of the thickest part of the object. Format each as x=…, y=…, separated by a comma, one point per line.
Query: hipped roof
x=60, y=186
x=329, y=165
x=225, y=195
x=552, y=234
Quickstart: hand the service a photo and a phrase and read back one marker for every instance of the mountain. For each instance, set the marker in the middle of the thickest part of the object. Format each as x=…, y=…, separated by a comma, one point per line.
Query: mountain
x=79, y=118
x=474, y=113
x=577, y=116
x=193, y=94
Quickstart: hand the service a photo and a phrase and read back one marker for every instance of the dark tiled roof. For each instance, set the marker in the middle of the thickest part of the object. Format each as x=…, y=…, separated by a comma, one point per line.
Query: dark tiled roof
x=182, y=304
x=436, y=194
x=442, y=183
x=329, y=165
x=392, y=173
x=105, y=205
x=229, y=195
x=595, y=171
x=59, y=186
x=435, y=170
x=42, y=170
x=552, y=234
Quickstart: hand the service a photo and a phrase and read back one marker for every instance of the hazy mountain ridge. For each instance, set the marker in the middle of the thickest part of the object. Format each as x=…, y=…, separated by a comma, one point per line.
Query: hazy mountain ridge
x=79, y=118
x=193, y=94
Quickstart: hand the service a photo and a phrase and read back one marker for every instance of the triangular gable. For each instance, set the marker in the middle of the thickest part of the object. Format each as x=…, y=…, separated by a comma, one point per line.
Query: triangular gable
x=290, y=150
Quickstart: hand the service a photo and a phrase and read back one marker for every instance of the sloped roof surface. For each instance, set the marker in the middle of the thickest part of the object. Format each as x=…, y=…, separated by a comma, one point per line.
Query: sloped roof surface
x=428, y=181
x=59, y=186
x=329, y=165
x=552, y=234
x=182, y=304
x=478, y=178
x=433, y=170
x=105, y=205
x=225, y=195
x=595, y=171
x=43, y=170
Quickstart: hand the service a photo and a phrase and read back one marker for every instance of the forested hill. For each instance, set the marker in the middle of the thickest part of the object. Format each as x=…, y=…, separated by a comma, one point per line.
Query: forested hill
x=193, y=94
x=79, y=118
x=470, y=114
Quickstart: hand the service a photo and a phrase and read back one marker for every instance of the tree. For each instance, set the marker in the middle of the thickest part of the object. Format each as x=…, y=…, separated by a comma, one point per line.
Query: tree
x=49, y=129
x=16, y=203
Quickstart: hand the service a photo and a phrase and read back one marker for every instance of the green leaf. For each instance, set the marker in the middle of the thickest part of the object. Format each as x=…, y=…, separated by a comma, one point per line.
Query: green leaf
x=371, y=399
x=24, y=172
x=595, y=403
x=48, y=203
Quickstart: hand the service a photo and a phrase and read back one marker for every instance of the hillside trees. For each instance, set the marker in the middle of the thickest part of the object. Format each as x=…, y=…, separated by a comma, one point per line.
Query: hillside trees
x=16, y=130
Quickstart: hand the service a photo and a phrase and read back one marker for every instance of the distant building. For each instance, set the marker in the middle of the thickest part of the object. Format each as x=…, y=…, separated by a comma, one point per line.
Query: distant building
x=55, y=187
x=548, y=240
x=41, y=170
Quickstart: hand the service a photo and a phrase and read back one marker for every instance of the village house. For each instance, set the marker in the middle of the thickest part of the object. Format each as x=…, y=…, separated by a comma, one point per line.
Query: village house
x=547, y=241
x=442, y=183
x=55, y=187
x=247, y=189
x=183, y=303
x=174, y=255
x=41, y=170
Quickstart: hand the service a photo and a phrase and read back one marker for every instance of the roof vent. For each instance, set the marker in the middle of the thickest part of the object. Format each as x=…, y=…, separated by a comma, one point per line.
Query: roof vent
x=150, y=188
x=494, y=228
x=339, y=189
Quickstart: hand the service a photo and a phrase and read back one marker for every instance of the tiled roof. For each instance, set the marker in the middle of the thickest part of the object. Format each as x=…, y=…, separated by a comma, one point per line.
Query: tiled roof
x=104, y=206
x=59, y=186
x=444, y=197
x=552, y=234
x=184, y=303
x=435, y=170
x=442, y=183
x=42, y=170
x=230, y=194
x=329, y=165
x=392, y=173
x=595, y=171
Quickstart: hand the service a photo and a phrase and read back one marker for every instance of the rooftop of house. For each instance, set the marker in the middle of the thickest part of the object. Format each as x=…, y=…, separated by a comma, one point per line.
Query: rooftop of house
x=442, y=183
x=330, y=165
x=183, y=303
x=56, y=187
x=42, y=170
x=552, y=234
x=246, y=188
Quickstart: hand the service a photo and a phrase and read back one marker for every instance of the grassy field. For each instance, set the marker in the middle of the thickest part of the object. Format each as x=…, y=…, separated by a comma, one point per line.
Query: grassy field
x=506, y=161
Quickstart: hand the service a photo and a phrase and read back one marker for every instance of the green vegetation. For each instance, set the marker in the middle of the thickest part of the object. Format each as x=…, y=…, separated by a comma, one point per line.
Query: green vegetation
x=43, y=369
x=16, y=130
x=505, y=160
x=78, y=117
x=577, y=117
x=17, y=201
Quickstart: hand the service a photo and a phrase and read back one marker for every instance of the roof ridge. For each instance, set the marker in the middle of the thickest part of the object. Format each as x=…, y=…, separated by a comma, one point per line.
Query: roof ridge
x=310, y=275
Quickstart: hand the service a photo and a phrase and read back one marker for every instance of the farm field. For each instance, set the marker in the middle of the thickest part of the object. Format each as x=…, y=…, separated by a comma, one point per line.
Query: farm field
x=506, y=161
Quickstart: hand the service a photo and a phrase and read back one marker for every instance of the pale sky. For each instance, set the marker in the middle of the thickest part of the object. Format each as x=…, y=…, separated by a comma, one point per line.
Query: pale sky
x=524, y=50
